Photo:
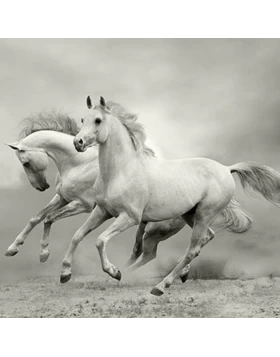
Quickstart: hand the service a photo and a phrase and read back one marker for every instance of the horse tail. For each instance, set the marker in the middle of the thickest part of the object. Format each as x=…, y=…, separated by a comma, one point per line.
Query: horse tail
x=234, y=219
x=261, y=178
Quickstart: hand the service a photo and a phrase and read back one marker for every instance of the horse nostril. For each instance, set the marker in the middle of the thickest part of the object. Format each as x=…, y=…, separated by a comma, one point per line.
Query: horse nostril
x=80, y=141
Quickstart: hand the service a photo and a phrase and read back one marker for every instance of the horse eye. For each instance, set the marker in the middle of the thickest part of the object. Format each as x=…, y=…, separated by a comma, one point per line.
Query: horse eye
x=82, y=120
x=26, y=164
x=97, y=121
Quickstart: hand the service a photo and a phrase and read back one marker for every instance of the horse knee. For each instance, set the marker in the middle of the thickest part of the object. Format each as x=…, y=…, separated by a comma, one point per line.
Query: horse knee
x=99, y=243
x=34, y=221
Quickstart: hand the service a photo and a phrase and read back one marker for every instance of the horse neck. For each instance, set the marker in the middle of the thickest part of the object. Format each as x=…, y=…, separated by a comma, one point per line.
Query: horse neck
x=58, y=146
x=116, y=151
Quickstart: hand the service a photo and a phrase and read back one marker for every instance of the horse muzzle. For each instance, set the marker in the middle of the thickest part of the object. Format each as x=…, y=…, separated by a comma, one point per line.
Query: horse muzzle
x=79, y=144
x=43, y=188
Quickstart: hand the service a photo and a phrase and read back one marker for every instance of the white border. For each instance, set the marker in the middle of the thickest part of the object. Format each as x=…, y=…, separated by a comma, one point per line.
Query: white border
x=139, y=337
x=134, y=19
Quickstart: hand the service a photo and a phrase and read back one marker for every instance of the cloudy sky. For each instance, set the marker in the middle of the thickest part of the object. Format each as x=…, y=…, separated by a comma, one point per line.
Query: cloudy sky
x=213, y=98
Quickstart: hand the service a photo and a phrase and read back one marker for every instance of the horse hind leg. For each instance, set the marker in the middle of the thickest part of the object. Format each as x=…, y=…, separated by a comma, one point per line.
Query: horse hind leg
x=192, y=251
x=185, y=271
x=189, y=219
x=150, y=243
x=138, y=246
x=205, y=214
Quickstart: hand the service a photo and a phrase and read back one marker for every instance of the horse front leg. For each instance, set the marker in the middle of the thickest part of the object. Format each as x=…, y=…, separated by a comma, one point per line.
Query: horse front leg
x=71, y=209
x=55, y=203
x=96, y=218
x=122, y=222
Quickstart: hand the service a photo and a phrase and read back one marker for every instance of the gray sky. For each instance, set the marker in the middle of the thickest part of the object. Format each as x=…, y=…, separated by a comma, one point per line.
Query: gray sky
x=213, y=98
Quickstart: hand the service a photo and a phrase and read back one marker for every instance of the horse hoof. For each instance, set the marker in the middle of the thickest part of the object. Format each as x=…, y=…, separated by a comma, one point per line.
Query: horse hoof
x=44, y=257
x=65, y=278
x=184, y=278
x=11, y=252
x=156, y=292
x=118, y=276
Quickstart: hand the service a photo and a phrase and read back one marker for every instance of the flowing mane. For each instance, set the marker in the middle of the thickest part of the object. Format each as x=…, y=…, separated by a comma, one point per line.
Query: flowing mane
x=49, y=120
x=135, y=130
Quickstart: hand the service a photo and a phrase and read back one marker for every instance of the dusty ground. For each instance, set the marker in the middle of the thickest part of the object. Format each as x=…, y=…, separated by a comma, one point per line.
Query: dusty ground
x=97, y=296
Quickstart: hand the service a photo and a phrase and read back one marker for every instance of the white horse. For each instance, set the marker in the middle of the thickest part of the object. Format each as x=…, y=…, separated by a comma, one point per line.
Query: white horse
x=43, y=136
x=134, y=186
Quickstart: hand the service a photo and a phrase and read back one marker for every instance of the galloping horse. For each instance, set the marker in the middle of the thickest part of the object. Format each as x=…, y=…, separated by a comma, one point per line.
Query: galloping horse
x=134, y=186
x=43, y=135
x=46, y=135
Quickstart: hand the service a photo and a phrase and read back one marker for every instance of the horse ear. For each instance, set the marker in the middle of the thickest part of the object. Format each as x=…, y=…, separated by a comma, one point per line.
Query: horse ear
x=102, y=102
x=89, y=104
x=14, y=146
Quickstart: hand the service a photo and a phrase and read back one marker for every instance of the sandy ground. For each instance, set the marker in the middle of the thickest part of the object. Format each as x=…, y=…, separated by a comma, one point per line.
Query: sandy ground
x=96, y=296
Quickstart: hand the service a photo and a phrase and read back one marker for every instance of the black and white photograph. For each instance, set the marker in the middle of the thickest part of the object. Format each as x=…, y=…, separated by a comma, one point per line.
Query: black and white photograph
x=140, y=178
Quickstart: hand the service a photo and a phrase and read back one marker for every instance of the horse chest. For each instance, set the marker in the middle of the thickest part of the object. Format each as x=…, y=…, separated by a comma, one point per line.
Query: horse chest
x=74, y=190
x=106, y=203
x=111, y=202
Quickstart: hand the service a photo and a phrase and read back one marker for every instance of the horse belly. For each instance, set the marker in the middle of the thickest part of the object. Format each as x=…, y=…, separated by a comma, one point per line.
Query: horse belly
x=165, y=229
x=169, y=203
x=177, y=186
